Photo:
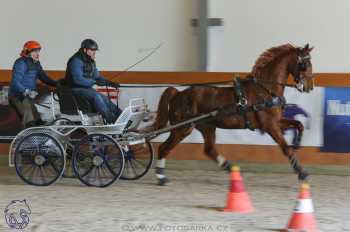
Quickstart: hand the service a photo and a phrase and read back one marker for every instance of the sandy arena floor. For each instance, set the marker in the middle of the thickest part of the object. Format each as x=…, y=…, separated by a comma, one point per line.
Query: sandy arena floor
x=189, y=203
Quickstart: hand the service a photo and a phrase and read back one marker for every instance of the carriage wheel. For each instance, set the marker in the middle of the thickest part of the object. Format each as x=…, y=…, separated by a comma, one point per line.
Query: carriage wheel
x=98, y=160
x=39, y=159
x=138, y=160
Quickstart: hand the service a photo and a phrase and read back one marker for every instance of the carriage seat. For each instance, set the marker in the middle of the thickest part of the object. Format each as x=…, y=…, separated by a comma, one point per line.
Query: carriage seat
x=71, y=104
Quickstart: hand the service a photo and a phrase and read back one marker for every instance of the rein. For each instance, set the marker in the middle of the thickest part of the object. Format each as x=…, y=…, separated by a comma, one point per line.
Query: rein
x=175, y=85
x=211, y=84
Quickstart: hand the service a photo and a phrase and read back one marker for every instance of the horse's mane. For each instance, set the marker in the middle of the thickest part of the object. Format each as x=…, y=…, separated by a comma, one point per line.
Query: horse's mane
x=271, y=55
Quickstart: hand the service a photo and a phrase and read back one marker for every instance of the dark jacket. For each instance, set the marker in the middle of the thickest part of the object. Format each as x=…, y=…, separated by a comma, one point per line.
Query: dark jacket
x=81, y=71
x=25, y=74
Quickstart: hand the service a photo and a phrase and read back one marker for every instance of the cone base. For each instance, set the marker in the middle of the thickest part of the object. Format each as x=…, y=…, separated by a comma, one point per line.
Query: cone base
x=302, y=222
x=238, y=202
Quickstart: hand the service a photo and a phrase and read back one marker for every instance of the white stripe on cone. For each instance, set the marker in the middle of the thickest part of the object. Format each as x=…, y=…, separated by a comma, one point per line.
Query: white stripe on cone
x=304, y=206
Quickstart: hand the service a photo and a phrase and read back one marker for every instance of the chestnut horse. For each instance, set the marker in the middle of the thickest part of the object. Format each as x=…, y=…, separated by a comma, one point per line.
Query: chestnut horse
x=255, y=103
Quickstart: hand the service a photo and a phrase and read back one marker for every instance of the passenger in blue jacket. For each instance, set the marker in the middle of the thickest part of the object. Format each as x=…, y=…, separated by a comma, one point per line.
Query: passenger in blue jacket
x=82, y=74
x=26, y=71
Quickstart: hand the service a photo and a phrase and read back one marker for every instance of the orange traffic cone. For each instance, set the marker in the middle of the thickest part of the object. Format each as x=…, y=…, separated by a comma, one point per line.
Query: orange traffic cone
x=303, y=218
x=237, y=198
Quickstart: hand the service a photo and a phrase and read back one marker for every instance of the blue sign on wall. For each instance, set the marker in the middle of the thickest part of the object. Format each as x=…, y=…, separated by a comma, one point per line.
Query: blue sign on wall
x=336, y=123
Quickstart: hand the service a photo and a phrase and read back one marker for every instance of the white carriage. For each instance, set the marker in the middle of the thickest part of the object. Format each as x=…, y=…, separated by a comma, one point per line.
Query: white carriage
x=79, y=144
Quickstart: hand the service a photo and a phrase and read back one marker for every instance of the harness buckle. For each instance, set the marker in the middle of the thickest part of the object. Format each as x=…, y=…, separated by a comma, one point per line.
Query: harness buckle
x=242, y=102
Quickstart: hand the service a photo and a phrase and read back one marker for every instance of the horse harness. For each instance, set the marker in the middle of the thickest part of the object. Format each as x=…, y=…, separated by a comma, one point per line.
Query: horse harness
x=242, y=107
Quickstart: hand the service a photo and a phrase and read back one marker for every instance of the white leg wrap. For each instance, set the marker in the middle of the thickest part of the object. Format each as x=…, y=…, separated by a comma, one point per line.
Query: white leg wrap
x=160, y=168
x=160, y=176
x=221, y=160
x=161, y=163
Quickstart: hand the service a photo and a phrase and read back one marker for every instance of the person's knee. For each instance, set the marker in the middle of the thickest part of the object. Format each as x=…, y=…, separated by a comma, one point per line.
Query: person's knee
x=102, y=107
x=27, y=107
x=27, y=103
x=99, y=102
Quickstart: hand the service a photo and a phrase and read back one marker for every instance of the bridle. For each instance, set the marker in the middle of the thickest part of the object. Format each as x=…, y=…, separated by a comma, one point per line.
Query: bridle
x=302, y=64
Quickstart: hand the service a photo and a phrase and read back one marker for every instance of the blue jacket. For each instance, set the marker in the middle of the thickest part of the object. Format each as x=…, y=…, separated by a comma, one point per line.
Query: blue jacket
x=25, y=74
x=82, y=72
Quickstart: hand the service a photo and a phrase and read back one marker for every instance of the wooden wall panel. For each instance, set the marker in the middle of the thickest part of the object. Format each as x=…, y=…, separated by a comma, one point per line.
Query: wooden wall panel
x=321, y=79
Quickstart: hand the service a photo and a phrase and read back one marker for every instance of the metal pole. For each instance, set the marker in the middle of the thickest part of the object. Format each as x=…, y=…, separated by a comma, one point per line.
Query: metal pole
x=202, y=35
x=153, y=134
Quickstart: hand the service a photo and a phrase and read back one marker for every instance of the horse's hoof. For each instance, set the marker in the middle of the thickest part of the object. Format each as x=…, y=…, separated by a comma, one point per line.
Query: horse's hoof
x=163, y=181
x=227, y=165
x=304, y=176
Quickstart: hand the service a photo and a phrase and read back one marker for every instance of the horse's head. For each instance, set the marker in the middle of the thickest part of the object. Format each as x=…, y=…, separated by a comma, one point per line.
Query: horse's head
x=301, y=69
x=276, y=63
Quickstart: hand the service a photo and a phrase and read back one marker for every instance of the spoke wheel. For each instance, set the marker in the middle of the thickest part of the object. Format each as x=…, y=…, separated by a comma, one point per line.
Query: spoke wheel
x=98, y=160
x=39, y=159
x=138, y=160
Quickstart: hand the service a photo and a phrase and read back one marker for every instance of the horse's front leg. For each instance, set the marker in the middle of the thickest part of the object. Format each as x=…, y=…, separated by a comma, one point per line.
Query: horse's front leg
x=277, y=134
x=208, y=133
x=286, y=124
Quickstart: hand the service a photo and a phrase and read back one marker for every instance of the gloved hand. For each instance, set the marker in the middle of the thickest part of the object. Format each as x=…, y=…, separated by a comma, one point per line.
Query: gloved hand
x=30, y=93
x=101, y=82
x=26, y=92
x=113, y=84
x=33, y=94
x=108, y=83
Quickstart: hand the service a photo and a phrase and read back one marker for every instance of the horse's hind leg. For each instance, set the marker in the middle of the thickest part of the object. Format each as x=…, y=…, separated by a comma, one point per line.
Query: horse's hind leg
x=276, y=133
x=175, y=137
x=208, y=134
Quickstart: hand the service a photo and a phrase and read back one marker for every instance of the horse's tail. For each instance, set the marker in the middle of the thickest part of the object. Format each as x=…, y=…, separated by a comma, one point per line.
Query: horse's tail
x=163, y=108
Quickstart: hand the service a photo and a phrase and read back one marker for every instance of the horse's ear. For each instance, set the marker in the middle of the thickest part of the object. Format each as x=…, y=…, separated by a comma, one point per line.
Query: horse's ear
x=307, y=48
x=310, y=49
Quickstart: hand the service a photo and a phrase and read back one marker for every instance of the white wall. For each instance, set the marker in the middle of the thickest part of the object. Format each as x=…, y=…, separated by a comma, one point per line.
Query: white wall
x=251, y=26
x=123, y=29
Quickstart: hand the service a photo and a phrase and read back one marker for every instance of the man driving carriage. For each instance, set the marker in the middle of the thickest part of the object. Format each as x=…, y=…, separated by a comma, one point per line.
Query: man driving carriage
x=26, y=71
x=82, y=74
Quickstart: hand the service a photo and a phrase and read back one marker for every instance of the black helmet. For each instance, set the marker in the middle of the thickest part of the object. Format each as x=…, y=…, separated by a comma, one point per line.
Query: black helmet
x=89, y=44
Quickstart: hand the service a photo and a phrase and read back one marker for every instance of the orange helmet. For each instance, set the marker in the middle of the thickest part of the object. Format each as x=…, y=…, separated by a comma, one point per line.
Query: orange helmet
x=30, y=46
